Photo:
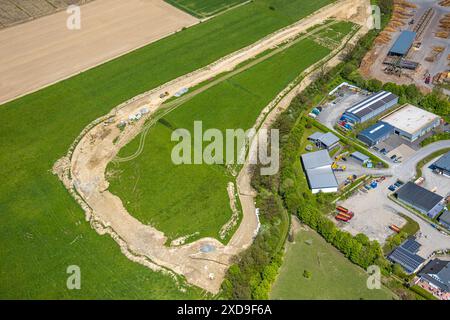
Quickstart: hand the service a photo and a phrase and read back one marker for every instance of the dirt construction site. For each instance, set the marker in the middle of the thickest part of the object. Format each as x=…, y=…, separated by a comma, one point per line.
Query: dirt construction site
x=44, y=51
x=427, y=62
x=82, y=170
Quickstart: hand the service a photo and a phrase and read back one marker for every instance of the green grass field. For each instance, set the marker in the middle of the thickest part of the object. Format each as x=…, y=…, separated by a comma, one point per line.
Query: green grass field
x=43, y=228
x=184, y=199
x=202, y=8
x=333, y=276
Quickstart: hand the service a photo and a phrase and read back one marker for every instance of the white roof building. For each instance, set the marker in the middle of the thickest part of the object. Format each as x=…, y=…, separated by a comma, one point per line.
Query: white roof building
x=412, y=122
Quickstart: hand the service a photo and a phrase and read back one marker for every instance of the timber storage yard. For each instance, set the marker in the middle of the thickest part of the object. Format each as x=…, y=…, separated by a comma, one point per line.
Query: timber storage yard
x=414, y=48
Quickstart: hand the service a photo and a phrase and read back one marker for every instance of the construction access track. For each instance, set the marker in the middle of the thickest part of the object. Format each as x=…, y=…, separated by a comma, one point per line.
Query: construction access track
x=82, y=170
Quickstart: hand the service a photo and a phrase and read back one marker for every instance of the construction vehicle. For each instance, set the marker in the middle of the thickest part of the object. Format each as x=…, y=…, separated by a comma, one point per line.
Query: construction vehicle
x=394, y=228
x=337, y=167
x=163, y=95
x=341, y=156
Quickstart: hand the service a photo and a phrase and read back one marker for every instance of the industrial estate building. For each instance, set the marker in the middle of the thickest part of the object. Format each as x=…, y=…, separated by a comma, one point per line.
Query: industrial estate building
x=444, y=219
x=406, y=256
x=436, y=274
x=411, y=122
x=370, y=107
x=442, y=165
x=324, y=140
x=421, y=199
x=403, y=44
x=317, y=166
x=360, y=157
x=376, y=133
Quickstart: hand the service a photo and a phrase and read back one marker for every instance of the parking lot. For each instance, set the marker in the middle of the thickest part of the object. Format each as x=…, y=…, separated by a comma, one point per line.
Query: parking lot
x=374, y=213
x=435, y=182
x=332, y=111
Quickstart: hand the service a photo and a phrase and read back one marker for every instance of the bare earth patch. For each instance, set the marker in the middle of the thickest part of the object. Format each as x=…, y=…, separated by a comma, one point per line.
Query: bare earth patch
x=43, y=51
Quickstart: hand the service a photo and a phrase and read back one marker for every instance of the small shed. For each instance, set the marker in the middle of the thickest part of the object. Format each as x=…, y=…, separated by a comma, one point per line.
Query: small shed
x=360, y=157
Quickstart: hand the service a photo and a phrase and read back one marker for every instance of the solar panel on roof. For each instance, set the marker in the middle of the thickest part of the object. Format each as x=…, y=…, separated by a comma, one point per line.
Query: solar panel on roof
x=408, y=260
x=411, y=245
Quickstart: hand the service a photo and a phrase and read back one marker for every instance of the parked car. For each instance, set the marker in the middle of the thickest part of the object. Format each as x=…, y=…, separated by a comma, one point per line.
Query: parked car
x=393, y=157
x=398, y=184
x=392, y=187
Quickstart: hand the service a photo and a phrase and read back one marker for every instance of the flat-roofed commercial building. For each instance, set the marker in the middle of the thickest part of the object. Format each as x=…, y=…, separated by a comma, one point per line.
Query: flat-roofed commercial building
x=376, y=133
x=411, y=122
x=370, y=107
x=320, y=176
x=421, y=199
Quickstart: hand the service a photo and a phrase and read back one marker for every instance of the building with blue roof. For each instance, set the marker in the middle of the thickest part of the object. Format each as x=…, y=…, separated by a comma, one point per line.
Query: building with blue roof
x=370, y=107
x=376, y=133
x=403, y=44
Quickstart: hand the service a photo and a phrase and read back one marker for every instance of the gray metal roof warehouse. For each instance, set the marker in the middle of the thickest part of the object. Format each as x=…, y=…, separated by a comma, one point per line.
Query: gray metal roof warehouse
x=406, y=256
x=327, y=140
x=316, y=159
x=376, y=133
x=360, y=156
x=403, y=43
x=420, y=198
x=318, y=170
x=443, y=164
x=371, y=106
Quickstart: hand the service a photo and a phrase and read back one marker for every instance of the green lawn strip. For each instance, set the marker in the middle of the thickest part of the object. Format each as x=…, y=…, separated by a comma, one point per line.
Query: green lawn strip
x=332, y=275
x=203, y=9
x=39, y=218
x=422, y=292
x=427, y=159
x=183, y=200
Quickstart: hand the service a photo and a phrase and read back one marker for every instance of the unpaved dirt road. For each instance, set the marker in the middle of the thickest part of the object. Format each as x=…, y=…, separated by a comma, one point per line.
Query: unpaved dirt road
x=44, y=51
x=83, y=172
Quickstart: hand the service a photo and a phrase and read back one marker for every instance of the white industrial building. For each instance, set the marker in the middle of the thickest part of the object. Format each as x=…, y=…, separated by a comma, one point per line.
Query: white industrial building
x=411, y=122
x=317, y=166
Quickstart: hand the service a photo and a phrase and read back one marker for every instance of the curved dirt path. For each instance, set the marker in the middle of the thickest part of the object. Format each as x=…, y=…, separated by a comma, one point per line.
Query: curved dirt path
x=83, y=170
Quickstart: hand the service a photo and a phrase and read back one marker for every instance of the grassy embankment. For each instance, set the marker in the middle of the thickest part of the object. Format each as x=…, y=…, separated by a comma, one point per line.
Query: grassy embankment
x=202, y=9
x=192, y=199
